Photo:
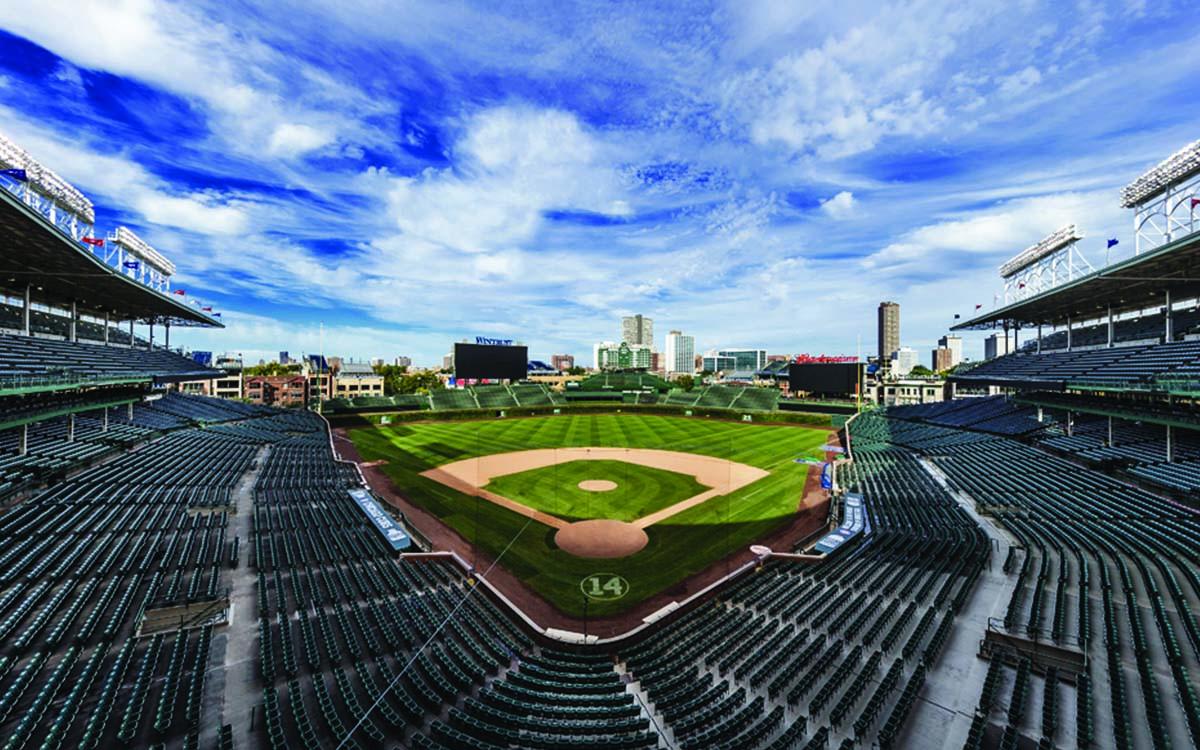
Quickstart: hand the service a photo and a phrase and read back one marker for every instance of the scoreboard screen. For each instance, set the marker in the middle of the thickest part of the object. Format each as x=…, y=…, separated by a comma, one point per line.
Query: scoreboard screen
x=490, y=362
x=825, y=378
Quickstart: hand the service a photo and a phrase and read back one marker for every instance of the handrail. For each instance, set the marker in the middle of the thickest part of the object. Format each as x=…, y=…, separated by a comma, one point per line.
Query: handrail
x=30, y=381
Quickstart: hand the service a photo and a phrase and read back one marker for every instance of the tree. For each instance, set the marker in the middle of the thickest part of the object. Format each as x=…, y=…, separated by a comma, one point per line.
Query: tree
x=684, y=382
x=576, y=370
x=271, y=369
x=921, y=371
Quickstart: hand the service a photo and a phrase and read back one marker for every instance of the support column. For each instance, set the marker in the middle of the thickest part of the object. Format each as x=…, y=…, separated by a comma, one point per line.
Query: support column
x=1070, y=423
x=1170, y=447
x=1110, y=433
x=23, y=447
x=131, y=333
x=74, y=327
x=106, y=330
x=70, y=428
x=1068, y=333
x=1039, y=345
x=1039, y=415
x=1169, y=320
x=25, y=313
x=1016, y=338
x=1110, y=327
x=104, y=421
x=167, y=336
x=130, y=410
x=150, y=340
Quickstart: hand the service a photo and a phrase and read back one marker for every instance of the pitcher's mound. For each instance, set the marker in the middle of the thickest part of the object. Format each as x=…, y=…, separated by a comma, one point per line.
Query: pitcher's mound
x=597, y=485
x=601, y=538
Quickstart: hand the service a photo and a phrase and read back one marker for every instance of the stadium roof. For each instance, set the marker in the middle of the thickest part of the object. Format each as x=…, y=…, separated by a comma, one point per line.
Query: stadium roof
x=1133, y=284
x=61, y=271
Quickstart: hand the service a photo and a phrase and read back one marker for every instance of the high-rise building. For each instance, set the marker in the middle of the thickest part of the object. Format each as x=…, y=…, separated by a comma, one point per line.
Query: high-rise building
x=609, y=355
x=942, y=359
x=996, y=345
x=403, y=361
x=637, y=330
x=562, y=362
x=284, y=359
x=903, y=360
x=889, y=331
x=954, y=344
x=680, y=353
x=448, y=361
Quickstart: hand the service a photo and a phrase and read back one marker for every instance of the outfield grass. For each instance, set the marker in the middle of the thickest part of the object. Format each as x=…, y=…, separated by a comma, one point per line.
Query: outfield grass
x=680, y=546
x=640, y=490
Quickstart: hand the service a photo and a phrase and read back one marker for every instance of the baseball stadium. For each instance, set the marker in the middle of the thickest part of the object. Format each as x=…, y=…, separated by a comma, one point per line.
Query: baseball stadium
x=618, y=564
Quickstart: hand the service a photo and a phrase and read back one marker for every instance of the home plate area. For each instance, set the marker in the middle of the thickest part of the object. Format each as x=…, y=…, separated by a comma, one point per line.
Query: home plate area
x=596, y=517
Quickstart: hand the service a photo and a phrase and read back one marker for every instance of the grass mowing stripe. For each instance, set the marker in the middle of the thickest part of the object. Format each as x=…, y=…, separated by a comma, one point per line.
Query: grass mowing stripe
x=678, y=546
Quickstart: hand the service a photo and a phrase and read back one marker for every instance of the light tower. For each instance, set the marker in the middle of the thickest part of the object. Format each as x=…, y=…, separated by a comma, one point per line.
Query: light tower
x=1164, y=199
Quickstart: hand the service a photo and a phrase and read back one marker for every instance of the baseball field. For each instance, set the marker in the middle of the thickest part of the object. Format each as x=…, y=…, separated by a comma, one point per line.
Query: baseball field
x=694, y=490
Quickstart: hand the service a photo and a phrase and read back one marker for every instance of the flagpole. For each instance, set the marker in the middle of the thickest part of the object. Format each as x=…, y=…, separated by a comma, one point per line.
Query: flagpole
x=320, y=364
x=858, y=366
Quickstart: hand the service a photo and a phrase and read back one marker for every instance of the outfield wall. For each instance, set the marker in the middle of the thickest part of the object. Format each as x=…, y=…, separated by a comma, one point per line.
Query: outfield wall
x=608, y=407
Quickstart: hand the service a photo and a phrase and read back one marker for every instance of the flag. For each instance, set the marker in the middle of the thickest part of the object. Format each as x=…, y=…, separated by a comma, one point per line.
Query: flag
x=957, y=316
x=180, y=292
x=978, y=306
x=206, y=309
x=1195, y=202
x=93, y=241
x=1112, y=242
x=216, y=315
x=20, y=176
x=1021, y=285
x=132, y=264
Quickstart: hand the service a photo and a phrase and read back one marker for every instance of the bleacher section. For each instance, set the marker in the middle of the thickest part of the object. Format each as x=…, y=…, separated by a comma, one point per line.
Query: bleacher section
x=746, y=398
x=26, y=358
x=624, y=381
x=494, y=397
x=1138, y=449
x=470, y=397
x=51, y=324
x=1144, y=329
x=994, y=414
x=532, y=395
x=453, y=398
x=50, y=454
x=1132, y=365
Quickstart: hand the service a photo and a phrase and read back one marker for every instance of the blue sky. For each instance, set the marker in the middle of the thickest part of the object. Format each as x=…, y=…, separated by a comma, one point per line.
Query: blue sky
x=753, y=173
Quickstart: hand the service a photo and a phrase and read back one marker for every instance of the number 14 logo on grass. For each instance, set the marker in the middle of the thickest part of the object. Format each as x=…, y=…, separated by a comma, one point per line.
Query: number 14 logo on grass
x=604, y=586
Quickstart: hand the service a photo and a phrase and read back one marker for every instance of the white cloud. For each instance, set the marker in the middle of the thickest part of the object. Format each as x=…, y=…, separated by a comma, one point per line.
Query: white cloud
x=176, y=48
x=512, y=165
x=840, y=206
x=996, y=233
x=293, y=139
x=893, y=73
x=128, y=185
x=1022, y=80
x=198, y=213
